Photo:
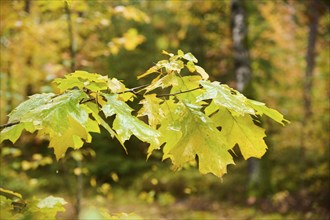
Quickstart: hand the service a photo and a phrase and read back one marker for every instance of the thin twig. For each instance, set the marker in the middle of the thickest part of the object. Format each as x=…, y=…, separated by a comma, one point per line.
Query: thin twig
x=129, y=90
x=134, y=89
x=86, y=100
x=177, y=93
x=9, y=124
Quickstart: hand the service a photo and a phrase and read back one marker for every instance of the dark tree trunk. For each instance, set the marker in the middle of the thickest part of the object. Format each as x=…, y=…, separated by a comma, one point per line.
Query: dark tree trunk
x=240, y=49
x=313, y=14
x=72, y=50
x=258, y=176
x=27, y=6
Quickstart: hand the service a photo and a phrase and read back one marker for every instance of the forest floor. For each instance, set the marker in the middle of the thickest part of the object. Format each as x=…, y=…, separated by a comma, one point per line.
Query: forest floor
x=185, y=209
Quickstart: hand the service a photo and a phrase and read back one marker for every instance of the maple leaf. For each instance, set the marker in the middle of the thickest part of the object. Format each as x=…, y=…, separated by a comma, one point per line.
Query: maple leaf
x=151, y=109
x=19, y=113
x=192, y=133
x=261, y=109
x=82, y=79
x=223, y=95
x=187, y=83
x=125, y=124
x=239, y=130
x=168, y=80
x=60, y=118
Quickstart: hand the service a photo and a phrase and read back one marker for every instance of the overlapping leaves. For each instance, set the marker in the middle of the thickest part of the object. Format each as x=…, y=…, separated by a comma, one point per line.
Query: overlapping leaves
x=189, y=116
x=59, y=118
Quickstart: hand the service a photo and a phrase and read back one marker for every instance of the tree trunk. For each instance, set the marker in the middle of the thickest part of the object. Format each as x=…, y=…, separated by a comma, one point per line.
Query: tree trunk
x=72, y=50
x=240, y=50
x=243, y=74
x=313, y=15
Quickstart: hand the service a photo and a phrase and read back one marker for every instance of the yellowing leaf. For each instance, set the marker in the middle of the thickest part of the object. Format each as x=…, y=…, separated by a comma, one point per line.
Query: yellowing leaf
x=192, y=134
x=191, y=66
x=125, y=124
x=242, y=131
x=151, y=70
x=151, y=109
x=12, y=133
x=168, y=80
x=82, y=79
x=202, y=72
x=187, y=83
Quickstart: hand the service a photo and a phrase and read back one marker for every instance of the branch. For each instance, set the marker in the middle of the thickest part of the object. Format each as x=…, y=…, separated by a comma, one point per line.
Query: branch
x=134, y=89
x=86, y=100
x=177, y=93
x=9, y=124
x=129, y=90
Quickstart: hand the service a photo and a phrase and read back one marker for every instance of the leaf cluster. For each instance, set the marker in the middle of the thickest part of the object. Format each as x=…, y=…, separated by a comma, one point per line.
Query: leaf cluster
x=188, y=116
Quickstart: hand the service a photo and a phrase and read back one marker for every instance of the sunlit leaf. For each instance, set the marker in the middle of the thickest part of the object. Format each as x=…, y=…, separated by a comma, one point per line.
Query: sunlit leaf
x=223, y=95
x=241, y=130
x=82, y=79
x=261, y=109
x=190, y=57
x=202, y=72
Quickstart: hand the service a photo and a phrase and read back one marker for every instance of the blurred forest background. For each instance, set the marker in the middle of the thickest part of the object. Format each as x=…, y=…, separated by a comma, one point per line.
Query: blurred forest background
x=284, y=45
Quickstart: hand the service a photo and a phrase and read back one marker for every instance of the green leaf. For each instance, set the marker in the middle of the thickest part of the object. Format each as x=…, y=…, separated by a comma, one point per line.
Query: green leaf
x=241, y=130
x=223, y=95
x=125, y=124
x=261, y=109
x=20, y=113
x=33, y=102
x=62, y=119
x=151, y=70
x=54, y=114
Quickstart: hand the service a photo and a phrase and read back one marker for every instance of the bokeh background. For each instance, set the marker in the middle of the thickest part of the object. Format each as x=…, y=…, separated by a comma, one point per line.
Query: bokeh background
x=286, y=44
